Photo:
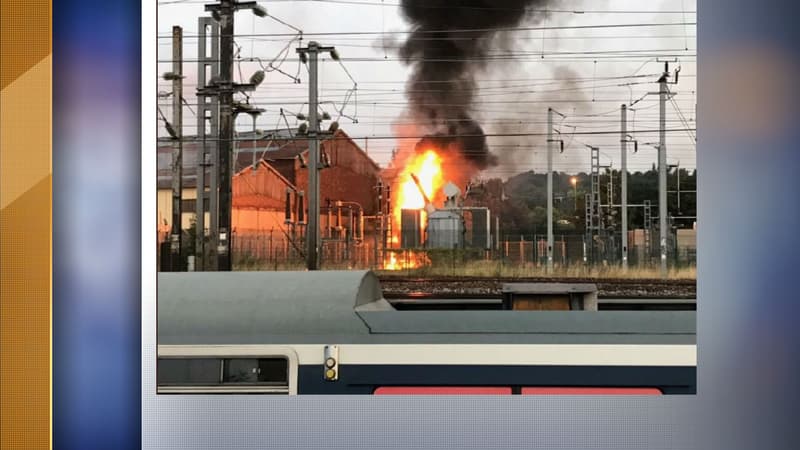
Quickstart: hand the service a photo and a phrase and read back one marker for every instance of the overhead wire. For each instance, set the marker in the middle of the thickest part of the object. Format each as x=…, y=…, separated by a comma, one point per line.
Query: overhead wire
x=575, y=11
x=491, y=92
x=465, y=31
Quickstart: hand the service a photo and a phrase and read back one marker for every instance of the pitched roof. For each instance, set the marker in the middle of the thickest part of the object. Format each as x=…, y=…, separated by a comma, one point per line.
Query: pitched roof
x=269, y=146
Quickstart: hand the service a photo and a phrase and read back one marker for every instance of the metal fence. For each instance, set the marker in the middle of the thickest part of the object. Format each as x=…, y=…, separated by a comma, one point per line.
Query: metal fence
x=279, y=251
x=575, y=249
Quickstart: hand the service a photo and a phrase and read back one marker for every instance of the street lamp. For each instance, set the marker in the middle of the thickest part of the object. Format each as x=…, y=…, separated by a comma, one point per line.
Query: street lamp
x=259, y=10
x=574, y=181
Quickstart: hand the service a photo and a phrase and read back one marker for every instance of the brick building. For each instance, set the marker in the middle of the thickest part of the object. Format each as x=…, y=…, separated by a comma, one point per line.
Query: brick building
x=351, y=176
x=261, y=191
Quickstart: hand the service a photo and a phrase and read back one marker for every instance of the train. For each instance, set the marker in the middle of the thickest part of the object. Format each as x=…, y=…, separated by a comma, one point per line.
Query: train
x=333, y=332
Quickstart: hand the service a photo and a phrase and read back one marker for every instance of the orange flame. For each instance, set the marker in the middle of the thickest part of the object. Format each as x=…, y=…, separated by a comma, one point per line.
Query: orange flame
x=405, y=261
x=427, y=167
x=390, y=262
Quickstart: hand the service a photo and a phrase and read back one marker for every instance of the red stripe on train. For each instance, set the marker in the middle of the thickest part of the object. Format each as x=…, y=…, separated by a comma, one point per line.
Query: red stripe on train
x=441, y=390
x=588, y=391
x=472, y=390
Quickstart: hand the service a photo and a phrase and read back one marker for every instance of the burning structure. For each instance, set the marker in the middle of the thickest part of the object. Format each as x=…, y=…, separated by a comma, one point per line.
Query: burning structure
x=448, y=45
x=429, y=208
x=452, y=225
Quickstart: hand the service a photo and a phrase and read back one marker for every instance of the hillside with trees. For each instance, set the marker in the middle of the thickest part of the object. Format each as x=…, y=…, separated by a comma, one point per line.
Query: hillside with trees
x=521, y=201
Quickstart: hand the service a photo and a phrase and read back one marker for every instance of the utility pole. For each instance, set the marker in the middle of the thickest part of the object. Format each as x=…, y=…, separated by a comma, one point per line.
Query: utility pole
x=549, y=190
x=550, y=142
x=207, y=124
x=177, y=147
x=664, y=95
x=310, y=54
x=224, y=89
x=662, y=168
x=226, y=10
x=624, y=182
x=678, y=175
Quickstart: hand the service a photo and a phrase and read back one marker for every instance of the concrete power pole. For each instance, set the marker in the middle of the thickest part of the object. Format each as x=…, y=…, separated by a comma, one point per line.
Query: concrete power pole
x=224, y=89
x=226, y=12
x=662, y=169
x=624, y=183
x=596, y=211
x=550, y=142
x=549, y=190
x=311, y=54
x=207, y=124
x=177, y=147
x=313, y=235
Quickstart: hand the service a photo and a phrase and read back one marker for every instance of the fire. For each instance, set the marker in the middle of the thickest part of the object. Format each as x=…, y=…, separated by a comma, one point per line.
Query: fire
x=390, y=263
x=427, y=168
x=407, y=259
x=418, y=171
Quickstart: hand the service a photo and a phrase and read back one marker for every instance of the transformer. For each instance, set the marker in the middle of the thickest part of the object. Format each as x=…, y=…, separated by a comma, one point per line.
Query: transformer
x=445, y=229
x=410, y=228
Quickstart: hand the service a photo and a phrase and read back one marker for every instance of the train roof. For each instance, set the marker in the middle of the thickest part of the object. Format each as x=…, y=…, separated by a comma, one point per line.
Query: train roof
x=215, y=308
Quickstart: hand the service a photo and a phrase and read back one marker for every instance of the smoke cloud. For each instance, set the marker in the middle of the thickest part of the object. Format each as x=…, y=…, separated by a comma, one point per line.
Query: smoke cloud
x=447, y=47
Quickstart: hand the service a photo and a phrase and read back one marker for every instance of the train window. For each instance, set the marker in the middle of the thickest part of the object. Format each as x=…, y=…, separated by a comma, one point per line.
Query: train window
x=223, y=375
x=240, y=371
x=273, y=370
x=185, y=371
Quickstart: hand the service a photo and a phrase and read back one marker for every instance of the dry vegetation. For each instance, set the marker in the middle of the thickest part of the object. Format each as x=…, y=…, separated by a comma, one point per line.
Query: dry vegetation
x=497, y=269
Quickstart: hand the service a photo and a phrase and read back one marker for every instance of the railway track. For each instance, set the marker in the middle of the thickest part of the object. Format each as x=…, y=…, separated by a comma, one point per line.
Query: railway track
x=483, y=302
x=455, y=279
x=468, y=287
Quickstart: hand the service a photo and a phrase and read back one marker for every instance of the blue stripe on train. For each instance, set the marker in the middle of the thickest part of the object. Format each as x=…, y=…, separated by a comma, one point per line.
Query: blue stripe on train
x=363, y=379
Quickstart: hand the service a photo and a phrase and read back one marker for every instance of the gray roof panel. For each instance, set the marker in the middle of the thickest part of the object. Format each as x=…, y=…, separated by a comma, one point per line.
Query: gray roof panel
x=347, y=307
x=215, y=305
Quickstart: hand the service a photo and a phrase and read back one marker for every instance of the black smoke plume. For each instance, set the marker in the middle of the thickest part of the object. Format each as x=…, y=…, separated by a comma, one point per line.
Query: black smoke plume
x=450, y=42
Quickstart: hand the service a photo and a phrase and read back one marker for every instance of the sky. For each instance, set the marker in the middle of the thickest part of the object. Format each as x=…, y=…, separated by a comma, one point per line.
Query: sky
x=585, y=70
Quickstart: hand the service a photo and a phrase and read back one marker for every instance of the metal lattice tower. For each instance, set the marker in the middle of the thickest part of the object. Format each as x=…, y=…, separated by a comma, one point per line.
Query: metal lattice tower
x=588, y=209
x=388, y=212
x=597, y=220
x=648, y=228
